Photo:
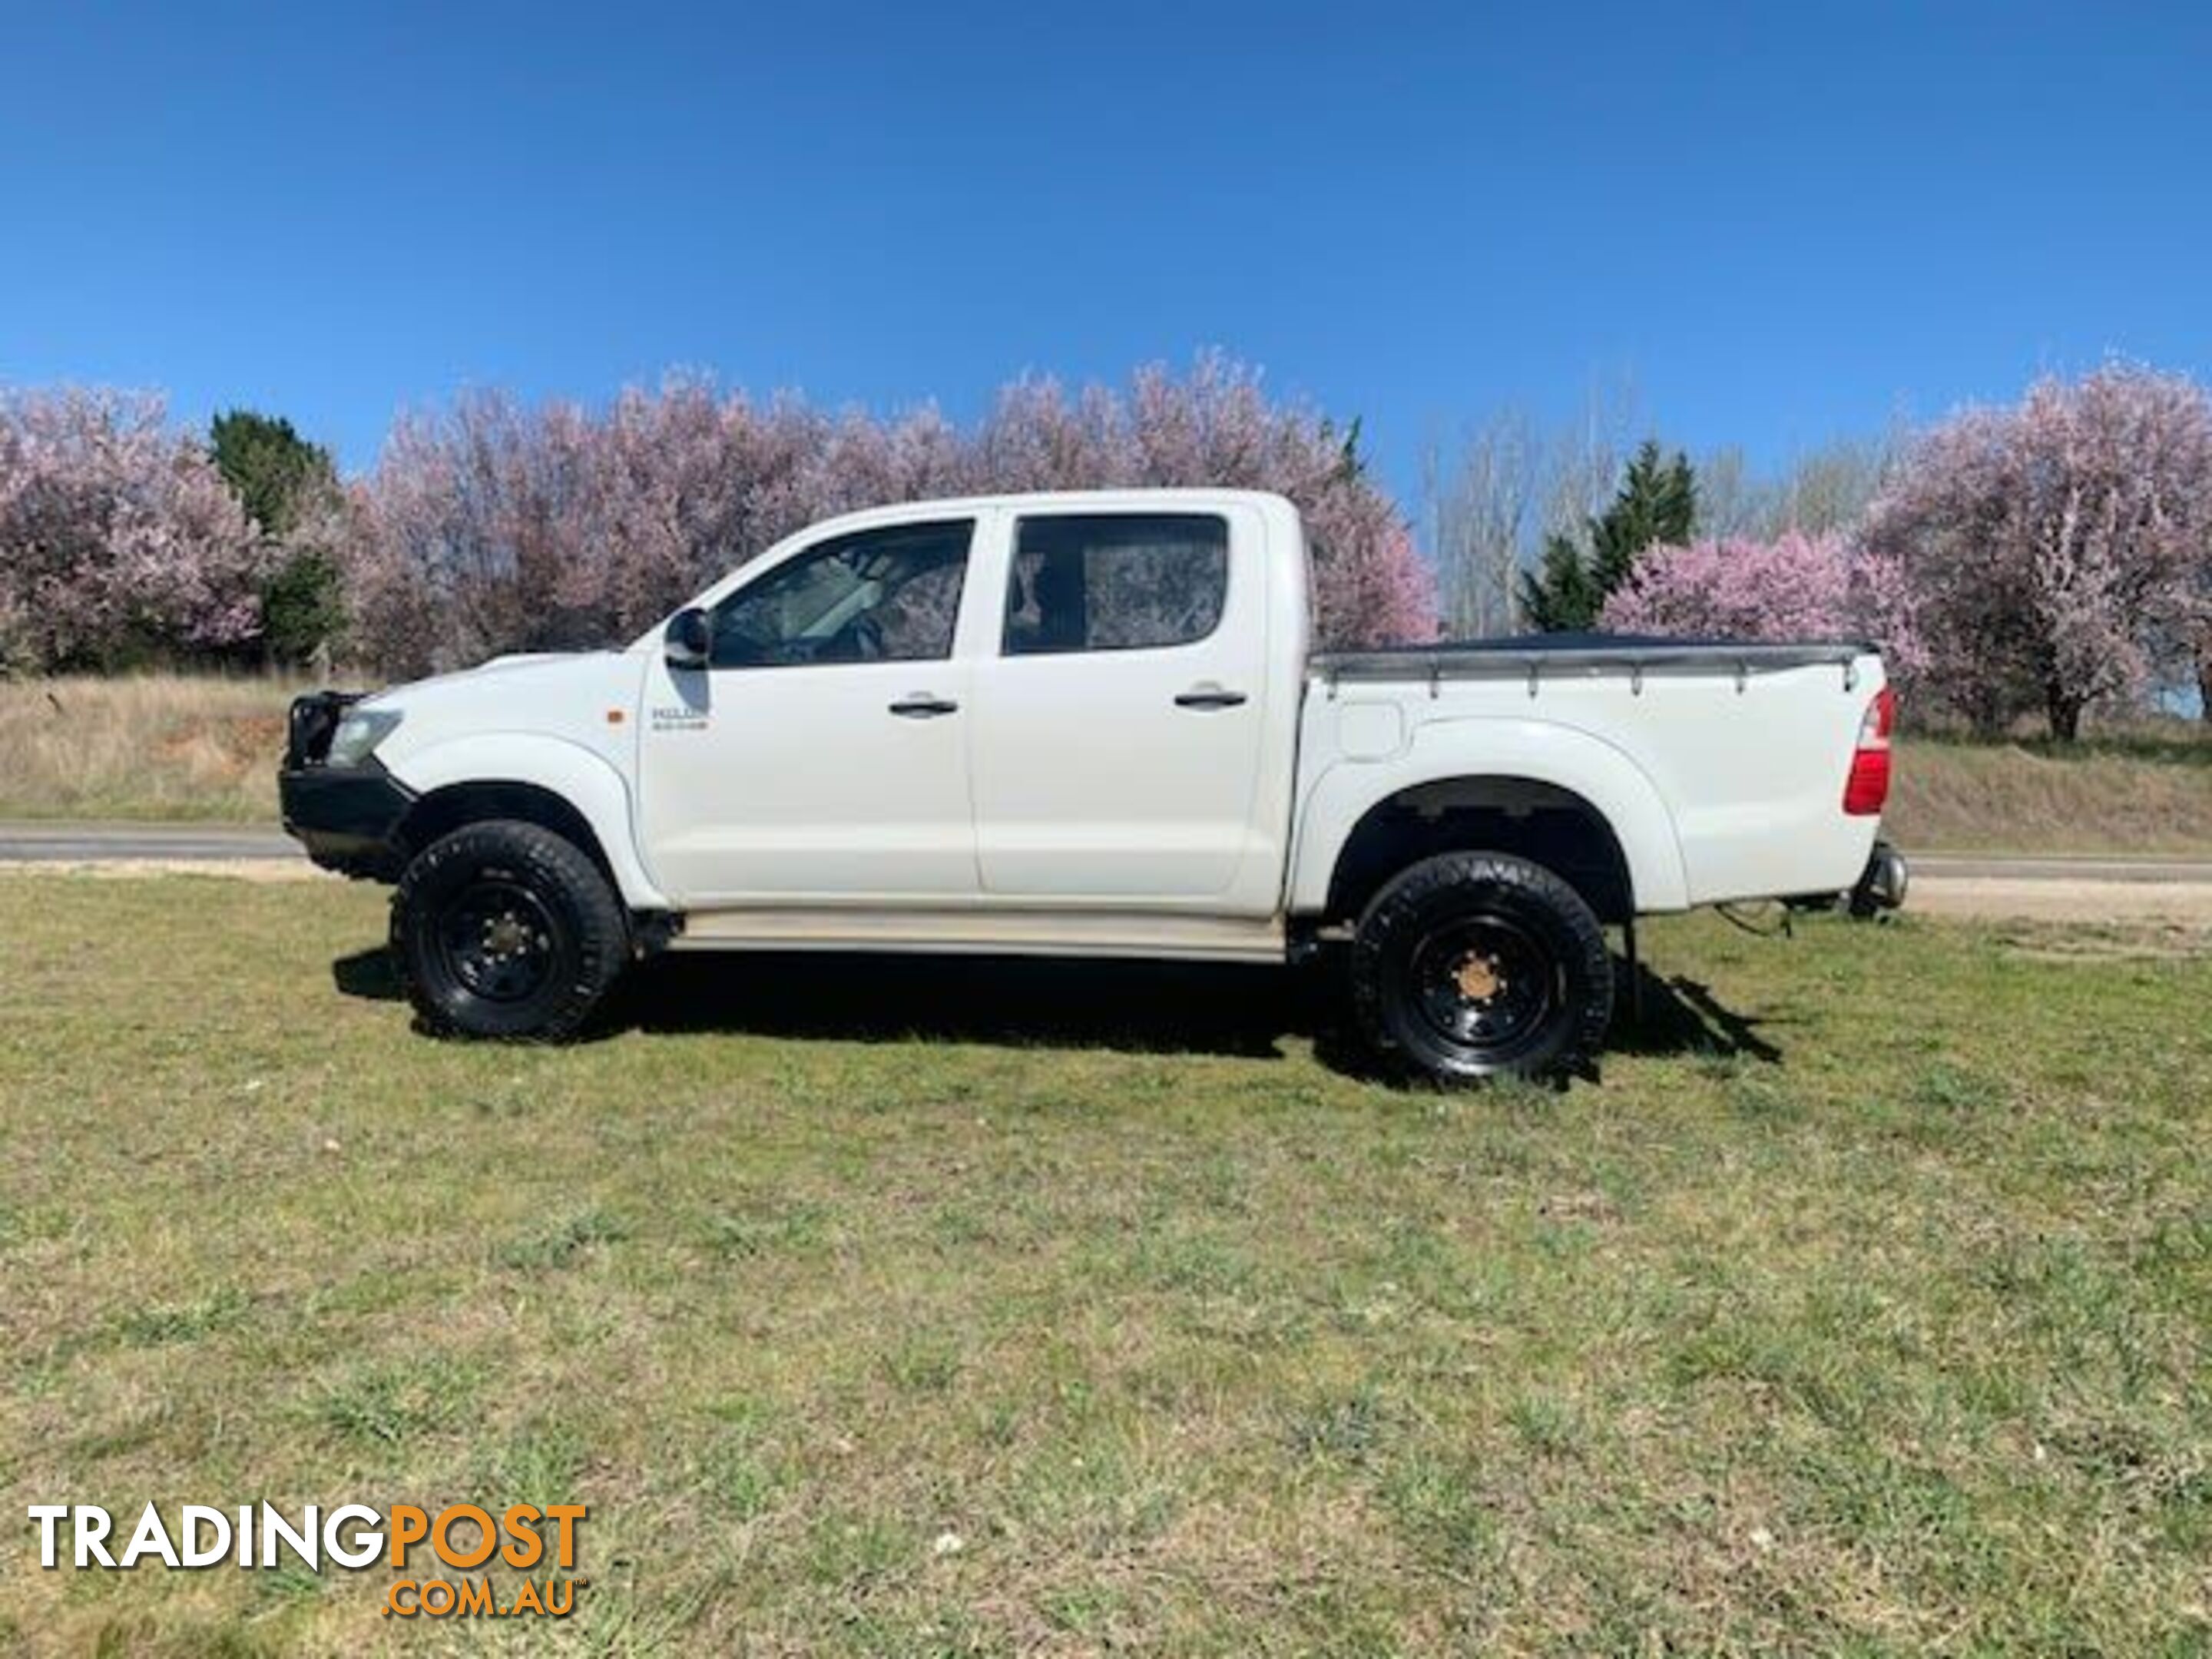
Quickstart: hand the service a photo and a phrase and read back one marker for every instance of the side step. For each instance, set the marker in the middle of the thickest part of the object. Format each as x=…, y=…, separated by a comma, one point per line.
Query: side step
x=982, y=931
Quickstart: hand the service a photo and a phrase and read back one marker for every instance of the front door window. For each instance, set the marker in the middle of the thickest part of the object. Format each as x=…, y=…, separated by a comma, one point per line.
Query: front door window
x=874, y=596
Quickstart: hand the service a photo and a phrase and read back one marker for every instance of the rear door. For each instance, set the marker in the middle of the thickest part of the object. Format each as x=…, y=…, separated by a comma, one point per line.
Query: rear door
x=1118, y=729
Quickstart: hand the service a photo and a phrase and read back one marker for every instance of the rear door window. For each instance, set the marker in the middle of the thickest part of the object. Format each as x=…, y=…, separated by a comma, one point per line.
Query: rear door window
x=1116, y=581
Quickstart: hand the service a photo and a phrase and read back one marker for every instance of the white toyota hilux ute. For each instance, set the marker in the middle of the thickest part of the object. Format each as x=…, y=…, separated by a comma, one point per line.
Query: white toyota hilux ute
x=1089, y=724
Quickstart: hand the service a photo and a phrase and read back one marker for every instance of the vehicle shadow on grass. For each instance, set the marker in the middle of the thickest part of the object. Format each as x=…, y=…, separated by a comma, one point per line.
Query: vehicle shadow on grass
x=1141, y=1007
x=1681, y=1016
x=1652, y=1017
x=369, y=974
x=1135, y=1007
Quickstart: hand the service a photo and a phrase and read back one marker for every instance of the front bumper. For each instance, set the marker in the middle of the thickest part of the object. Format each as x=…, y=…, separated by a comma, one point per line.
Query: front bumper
x=348, y=818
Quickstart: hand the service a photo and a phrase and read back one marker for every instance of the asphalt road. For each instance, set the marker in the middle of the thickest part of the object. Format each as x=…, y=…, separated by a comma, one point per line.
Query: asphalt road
x=99, y=843
x=1976, y=866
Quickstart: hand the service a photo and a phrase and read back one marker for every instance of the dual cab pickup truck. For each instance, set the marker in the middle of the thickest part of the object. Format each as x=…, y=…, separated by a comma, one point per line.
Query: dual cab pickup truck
x=1088, y=724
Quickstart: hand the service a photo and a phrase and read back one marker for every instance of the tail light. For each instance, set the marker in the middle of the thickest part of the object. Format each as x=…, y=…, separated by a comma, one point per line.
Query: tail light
x=1868, y=786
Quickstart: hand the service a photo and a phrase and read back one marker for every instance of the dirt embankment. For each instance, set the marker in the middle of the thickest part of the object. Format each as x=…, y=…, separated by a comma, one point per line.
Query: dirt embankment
x=2149, y=795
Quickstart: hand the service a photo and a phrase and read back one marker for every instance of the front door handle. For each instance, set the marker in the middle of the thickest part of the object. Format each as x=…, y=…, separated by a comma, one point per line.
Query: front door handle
x=921, y=706
x=1209, y=696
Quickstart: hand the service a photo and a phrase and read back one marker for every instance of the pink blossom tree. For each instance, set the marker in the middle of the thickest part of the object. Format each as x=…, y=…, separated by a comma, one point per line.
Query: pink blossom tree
x=1370, y=586
x=493, y=526
x=2052, y=546
x=1035, y=437
x=471, y=539
x=1216, y=426
x=1794, y=588
x=496, y=528
x=119, y=541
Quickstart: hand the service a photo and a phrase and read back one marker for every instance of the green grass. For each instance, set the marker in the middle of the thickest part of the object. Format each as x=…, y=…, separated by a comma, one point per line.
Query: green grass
x=875, y=1309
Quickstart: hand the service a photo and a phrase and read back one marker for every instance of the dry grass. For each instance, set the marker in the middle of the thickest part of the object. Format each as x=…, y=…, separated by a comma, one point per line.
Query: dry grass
x=2146, y=794
x=150, y=746
x=1866, y=1306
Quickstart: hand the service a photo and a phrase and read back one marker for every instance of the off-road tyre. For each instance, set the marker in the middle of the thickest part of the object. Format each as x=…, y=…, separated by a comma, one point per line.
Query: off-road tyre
x=503, y=929
x=1474, y=965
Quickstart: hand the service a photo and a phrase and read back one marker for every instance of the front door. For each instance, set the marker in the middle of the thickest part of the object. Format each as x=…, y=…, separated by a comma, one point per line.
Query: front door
x=823, y=754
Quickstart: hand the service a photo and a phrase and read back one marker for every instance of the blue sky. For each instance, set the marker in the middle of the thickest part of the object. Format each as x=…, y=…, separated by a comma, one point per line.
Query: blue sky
x=1778, y=222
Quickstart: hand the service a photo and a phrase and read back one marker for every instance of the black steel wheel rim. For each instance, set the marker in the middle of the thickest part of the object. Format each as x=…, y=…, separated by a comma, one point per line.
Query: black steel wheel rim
x=1483, y=983
x=496, y=940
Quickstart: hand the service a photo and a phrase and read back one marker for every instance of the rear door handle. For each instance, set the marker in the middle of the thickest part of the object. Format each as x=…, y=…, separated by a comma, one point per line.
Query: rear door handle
x=1209, y=696
x=921, y=706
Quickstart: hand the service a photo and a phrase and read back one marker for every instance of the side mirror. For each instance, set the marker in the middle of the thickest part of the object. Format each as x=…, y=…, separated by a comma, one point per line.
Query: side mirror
x=689, y=639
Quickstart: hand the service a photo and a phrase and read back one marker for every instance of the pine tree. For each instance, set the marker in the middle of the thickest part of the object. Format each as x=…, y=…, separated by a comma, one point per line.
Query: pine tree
x=1656, y=505
x=281, y=479
x=274, y=471
x=1559, y=597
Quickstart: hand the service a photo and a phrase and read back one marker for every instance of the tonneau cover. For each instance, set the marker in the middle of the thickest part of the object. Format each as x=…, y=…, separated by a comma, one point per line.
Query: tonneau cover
x=1538, y=655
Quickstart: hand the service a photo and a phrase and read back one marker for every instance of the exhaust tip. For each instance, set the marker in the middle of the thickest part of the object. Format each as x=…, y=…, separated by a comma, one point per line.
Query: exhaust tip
x=1884, y=883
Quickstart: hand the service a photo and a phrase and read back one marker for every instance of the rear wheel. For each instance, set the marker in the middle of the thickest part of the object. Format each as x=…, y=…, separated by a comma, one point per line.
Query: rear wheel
x=1471, y=965
x=505, y=929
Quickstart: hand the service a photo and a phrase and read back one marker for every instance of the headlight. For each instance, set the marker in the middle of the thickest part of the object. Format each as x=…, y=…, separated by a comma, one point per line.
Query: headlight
x=359, y=733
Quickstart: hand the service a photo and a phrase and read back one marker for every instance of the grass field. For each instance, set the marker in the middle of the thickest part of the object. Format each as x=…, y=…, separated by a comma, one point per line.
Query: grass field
x=881, y=1308
x=169, y=747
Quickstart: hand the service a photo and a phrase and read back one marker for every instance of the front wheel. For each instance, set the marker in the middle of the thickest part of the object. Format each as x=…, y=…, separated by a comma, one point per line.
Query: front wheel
x=1473, y=965
x=504, y=929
